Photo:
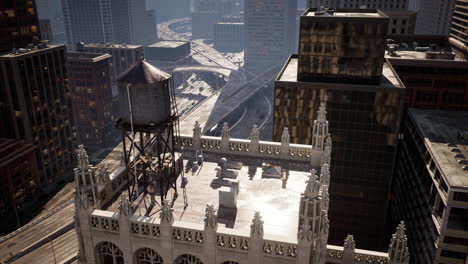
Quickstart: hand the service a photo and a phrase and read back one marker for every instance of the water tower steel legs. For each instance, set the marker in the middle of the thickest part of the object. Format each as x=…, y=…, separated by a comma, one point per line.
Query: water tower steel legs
x=155, y=162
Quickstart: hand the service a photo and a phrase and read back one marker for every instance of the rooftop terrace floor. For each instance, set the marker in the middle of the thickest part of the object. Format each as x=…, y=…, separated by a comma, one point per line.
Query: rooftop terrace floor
x=279, y=207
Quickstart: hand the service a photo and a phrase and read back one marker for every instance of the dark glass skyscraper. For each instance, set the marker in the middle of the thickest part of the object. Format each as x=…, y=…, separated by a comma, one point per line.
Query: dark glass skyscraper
x=341, y=63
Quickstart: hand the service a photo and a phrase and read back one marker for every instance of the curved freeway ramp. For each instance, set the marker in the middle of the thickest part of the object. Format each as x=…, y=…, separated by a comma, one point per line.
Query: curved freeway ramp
x=215, y=108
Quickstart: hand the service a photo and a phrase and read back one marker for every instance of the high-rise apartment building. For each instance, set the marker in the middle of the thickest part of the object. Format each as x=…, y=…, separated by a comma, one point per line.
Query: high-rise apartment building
x=434, y=16
x=123, y=56
x=402, y=20
x=121, y=21
x=90, y=82
x=223, y=7
x=459, y=30
x=19, y=174
x=229, y=37
x=431, y=185
x=432, y=84
x=169, y=9
x=35, y=106
x=19, y=24
x=341, y=63
x=270, y=32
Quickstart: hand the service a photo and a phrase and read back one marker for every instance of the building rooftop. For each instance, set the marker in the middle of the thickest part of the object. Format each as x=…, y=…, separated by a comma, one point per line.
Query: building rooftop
x=112, y=46
x=167, y=44
x=29, y=50
x=87, y=57
x=350, y=14
x=389, y=77
x=279, y=207
x=440, y=130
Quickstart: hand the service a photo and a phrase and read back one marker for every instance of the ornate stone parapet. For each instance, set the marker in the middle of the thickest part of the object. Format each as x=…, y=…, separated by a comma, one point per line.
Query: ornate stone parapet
x=252, y=148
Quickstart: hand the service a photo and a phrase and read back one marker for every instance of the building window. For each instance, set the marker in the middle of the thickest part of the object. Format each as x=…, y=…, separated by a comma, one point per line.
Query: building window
x=148, y=256
x=187, y=259
x=109, y=253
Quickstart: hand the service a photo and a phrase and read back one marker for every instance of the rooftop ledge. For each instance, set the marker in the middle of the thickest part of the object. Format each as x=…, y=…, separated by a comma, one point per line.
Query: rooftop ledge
x=390, y=79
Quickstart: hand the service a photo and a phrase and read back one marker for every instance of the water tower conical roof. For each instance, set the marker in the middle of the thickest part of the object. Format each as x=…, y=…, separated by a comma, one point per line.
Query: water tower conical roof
x=143, y=73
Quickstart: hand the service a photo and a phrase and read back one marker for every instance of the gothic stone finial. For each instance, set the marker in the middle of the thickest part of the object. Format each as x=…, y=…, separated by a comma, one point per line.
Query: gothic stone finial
x=349, y=249
x=226, y=131
x=197, y=131
x=400, y=233
x=398, y=250
x=103, y=173
x=211, y=219
x=285, y=137
x=349, y=243
x=83, y=161
x=313, y=185
x=255, y=135
x=256, y=228
x=125, y=207
x=167, y=213
x=322, y=113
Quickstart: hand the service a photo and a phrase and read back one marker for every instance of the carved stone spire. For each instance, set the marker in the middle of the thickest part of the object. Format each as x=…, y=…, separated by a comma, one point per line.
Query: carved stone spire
x=322, y=113
x=256, y=228
x=211, y=219
x=167, y=213
x=255, y=135
x=320, y=130
x=285, y=137
x=82, y=157
x=398, y=251
x=313, y=185
x=225, y=133
x=197, y=131
x=349, y=247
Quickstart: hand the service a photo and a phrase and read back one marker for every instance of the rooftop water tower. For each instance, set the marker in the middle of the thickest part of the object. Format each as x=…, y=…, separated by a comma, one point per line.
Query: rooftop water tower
x=149, y=123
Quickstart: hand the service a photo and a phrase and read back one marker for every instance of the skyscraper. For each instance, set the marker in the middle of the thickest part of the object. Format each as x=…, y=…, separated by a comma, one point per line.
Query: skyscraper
x=431, y=185
x=90, y=82
x=19, y=24
x=120, y=21
x=459, y=30
x=434, y=16
x=341, y=63
x=402, y=19
x=270, y=32
x=35, y=105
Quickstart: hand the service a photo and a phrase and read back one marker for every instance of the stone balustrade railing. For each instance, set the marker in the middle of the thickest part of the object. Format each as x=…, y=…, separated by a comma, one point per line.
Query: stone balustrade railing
x=257, y=149
x=237, y=243
x=226, y=239
x=185, y=234
x=275, y=248
x=335, y=255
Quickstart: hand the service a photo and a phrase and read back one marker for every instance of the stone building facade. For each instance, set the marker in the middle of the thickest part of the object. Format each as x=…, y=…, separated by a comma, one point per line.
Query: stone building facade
x=110, y=229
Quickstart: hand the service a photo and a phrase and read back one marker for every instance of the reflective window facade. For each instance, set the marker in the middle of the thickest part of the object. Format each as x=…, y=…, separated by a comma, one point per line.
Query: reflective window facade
x=364, y=124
